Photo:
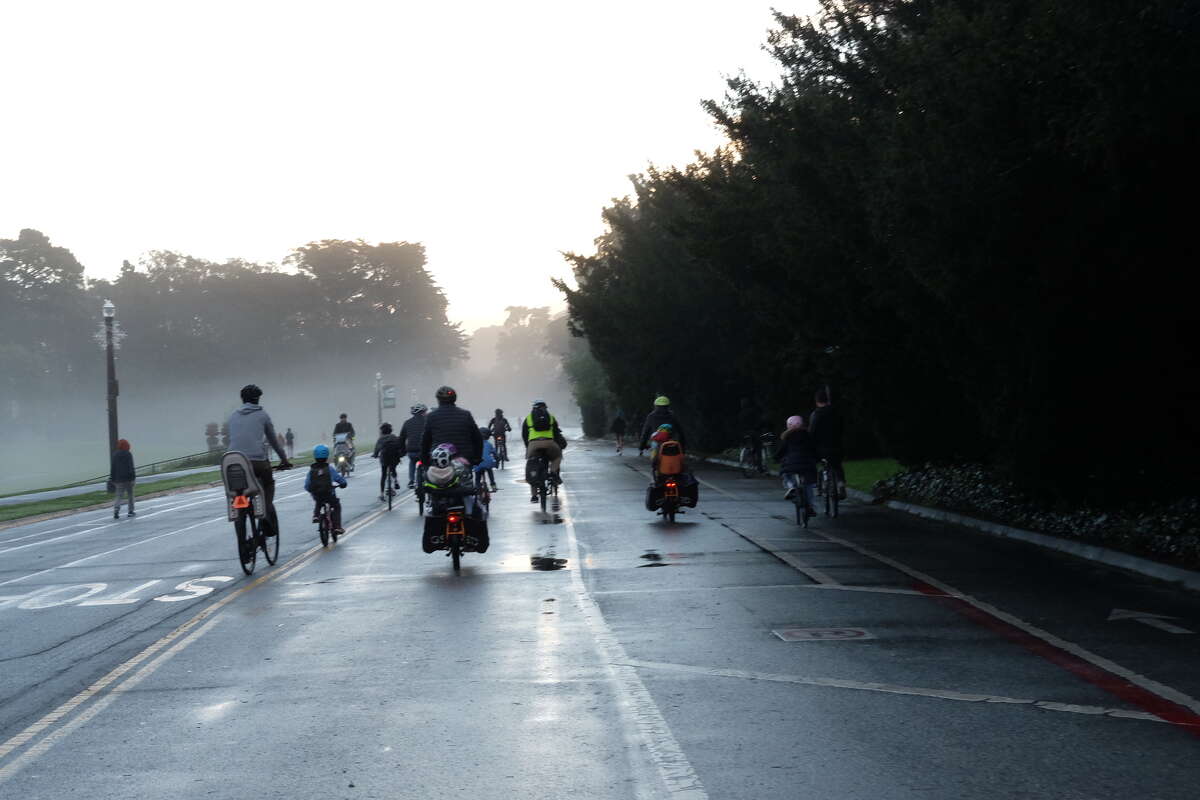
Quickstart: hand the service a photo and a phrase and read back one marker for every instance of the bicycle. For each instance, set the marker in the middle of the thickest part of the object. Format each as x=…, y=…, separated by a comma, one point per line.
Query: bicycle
x=254, y=528
x=392, y=485
x=800, y=499
x=752, y=458
x=827, y=487
x=501, y=451
x=537, y=474
x=325, y=528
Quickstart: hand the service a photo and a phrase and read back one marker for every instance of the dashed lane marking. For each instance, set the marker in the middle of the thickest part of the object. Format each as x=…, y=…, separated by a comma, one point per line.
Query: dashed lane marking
x=59, y=723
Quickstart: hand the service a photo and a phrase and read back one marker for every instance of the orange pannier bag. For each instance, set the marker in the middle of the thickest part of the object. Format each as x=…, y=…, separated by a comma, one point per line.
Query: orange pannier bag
x=670, y=458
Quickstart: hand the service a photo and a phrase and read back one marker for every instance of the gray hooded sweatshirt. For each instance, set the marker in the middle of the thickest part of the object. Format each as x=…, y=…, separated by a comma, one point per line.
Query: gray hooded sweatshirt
x=249, y=428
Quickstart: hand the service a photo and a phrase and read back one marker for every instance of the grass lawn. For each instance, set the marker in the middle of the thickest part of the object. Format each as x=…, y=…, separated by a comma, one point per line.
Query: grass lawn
x=863, y=474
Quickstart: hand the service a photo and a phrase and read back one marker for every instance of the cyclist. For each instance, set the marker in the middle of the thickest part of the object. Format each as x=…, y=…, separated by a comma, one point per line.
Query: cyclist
x=410, y=439
x=450, y=424
x=499, y=425
x=541, y=434
x=484, y=469
x=825, y=426
x=250, y=429
x=661, y=415
x=319, y=483
x=797, y=457
x=345, y=430
x=388, y=450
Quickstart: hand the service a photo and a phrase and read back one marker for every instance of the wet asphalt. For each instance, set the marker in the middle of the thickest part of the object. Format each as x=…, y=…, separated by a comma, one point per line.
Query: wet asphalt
x=593, y=652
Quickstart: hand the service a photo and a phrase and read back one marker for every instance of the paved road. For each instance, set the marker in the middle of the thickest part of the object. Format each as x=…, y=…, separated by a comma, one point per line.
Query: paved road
x=593, y=653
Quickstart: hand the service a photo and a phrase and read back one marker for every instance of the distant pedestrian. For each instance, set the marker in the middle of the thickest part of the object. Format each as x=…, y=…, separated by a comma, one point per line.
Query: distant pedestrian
x=121, y=474
x=290, y=438
x=618, y=430
x=282, y=442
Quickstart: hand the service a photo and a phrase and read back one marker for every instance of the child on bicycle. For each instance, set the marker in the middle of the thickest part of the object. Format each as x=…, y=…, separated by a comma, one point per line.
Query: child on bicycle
x=797, y=457
x=484, y=469
x=320, y=483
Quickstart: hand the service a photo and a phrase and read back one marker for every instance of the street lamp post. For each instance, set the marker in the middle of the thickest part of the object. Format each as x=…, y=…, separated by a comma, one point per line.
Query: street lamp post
x=110, y=312
x=378, y=399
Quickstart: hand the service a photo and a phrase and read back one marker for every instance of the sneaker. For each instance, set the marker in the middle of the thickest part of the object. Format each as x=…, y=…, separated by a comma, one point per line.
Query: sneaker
x=133, y=513
x=790, y=493
x=339, y=531
x=495, y=488
x=116, y=515
x=382, y=499
x=533, y=499
x=410, y=484
x=316, y=518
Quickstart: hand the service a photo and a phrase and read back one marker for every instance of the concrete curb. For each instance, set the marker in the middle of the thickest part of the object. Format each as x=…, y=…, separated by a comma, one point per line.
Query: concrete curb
x=1188, y=579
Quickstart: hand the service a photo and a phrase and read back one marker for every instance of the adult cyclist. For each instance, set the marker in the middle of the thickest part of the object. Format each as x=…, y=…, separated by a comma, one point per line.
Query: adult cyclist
x=661, y=415
x=825, y=428
x=250, y=429
x=388, y=450
x=541, y=434
x=410, y=439
x=346, y=429
x=450, y=424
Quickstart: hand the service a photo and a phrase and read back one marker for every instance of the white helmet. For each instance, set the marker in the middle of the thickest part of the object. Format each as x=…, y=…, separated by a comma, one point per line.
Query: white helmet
x=441, y=456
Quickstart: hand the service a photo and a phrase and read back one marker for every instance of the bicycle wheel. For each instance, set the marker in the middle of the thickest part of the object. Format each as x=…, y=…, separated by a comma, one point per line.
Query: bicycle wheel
x=833, y=497
x=420, y=502
x=323, y=527
x=332, y=530
x=455, y=553
x=245, y=544
x=746, y=462
x=542, y=495
x=269, y=544
x=390, y=493
x=801, y=520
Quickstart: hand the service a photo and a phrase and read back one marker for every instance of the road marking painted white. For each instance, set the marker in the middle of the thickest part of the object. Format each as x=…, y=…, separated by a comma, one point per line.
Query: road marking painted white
x=107, y=695
x=938, y=694
x=637, y=707
x=124, y=598
x=1147, y=618
x=193, y=589
x=81, y=591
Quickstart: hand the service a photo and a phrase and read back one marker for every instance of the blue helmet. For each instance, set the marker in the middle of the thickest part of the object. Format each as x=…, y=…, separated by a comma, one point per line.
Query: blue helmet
x=320, y=451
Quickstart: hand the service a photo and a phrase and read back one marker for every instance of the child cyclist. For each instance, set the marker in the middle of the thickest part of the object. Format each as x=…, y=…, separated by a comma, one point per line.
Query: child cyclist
x=484, y=469
x=320, y=483
x=797, y=457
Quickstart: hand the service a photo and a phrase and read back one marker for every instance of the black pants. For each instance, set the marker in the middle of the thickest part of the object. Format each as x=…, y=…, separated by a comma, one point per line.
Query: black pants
x=384, y=468
x=335, y=507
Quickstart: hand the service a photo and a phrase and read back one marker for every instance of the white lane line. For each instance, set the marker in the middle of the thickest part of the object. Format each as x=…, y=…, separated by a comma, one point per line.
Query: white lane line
x=641, y=714
x=76, y=562
x=101, y=686
x=885, y=688
x=1149, y=684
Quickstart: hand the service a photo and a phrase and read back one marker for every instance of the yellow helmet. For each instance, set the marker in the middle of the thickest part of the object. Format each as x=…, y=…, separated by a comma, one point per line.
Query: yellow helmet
x=662, y=400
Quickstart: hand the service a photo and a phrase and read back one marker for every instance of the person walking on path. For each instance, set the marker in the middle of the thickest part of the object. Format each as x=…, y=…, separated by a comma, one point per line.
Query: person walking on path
x=121, y=474
x=618, y=430
x=290, y=438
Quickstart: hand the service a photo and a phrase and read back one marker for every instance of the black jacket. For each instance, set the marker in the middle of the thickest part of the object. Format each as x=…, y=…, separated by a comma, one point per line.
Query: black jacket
x=662, y=416
x=825, y=426
x=411, y=432
x=618, y=426
x=455, y=425
x=389, y=454
x=121, y=470
x=797, y=453
x=343, y=427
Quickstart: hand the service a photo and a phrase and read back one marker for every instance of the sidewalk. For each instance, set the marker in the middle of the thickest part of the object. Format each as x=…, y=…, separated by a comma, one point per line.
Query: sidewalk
x=33, y=497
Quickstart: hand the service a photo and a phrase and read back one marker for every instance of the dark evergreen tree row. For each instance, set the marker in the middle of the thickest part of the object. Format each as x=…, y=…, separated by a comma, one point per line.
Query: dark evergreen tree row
x=971, y=218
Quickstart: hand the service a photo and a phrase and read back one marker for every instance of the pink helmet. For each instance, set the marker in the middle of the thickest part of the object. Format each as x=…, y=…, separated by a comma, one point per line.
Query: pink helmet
x=795, y=421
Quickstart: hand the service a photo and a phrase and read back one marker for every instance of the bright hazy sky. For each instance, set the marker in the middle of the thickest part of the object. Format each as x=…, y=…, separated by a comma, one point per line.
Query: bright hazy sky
x=494, y=133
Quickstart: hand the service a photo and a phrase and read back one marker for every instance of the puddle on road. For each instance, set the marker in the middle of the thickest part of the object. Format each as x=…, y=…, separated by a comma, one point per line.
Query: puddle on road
x=546, y=560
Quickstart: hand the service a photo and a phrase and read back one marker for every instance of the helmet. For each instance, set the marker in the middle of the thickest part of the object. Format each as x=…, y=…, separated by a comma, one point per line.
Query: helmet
x=442, y=455
x=446, y=394
x=342, y=415
x=419, y=408
x=251, y=393
x=499, y=412
x=795, y=421
x=666, y=426
x=385, y=428
x=662, y=400
x=537, y=403
x=486, y=433
x=320, y=451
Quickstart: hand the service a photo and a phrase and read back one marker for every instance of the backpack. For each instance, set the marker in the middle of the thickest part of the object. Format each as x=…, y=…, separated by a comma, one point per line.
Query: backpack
x=391, y=451
x=670, y=458
x=320, y=482
x=541, y=418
